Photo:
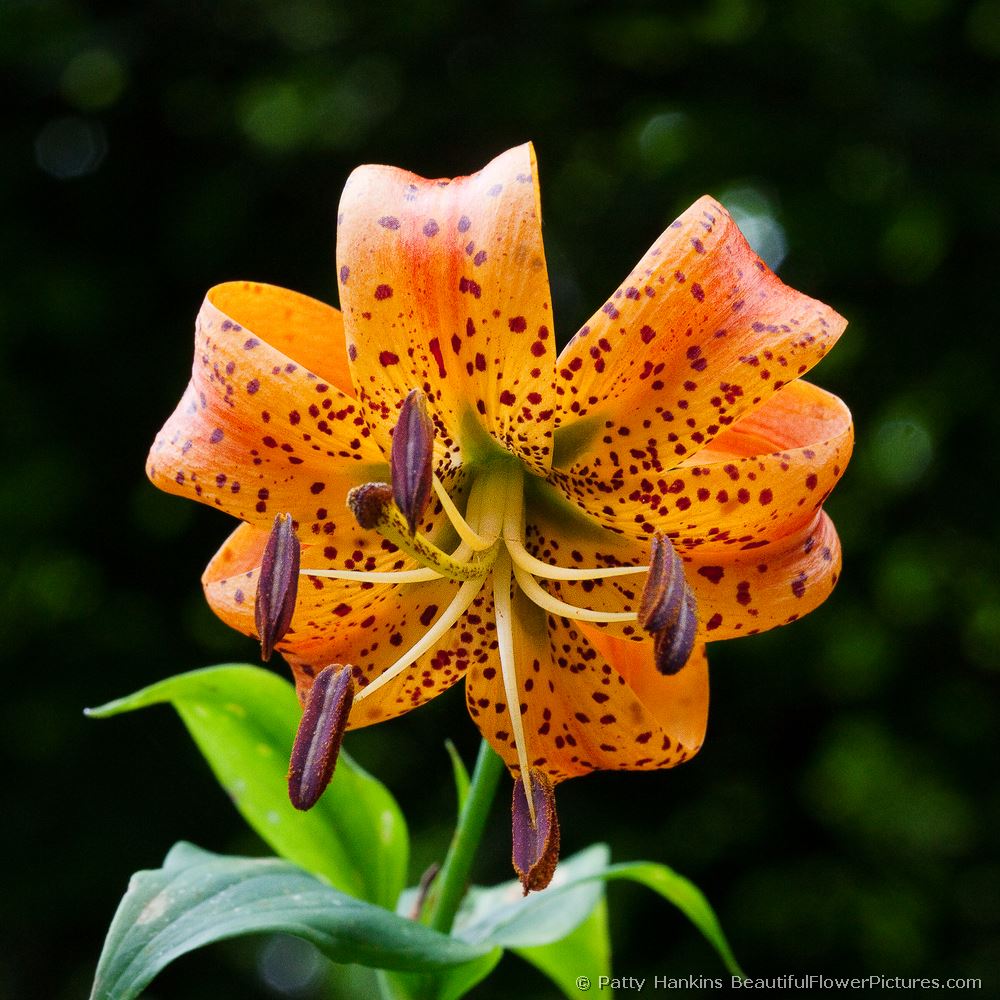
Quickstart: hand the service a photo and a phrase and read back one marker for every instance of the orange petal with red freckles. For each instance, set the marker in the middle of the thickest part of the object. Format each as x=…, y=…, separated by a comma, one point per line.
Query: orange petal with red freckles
x=257, y=432
x=336, y=621
x=761, y=478
x=444, y=288
x=747, y=590
x=700, y=332
x=589, y=701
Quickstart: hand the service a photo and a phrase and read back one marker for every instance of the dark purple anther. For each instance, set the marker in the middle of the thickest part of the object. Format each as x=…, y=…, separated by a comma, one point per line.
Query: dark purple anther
x=667, y=608
x=536, y=845
x=411, y=459
x=320, y=733
x=277, y=584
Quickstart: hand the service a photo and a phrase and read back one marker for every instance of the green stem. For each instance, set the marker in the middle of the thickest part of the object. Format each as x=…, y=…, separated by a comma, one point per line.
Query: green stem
x=450, y=885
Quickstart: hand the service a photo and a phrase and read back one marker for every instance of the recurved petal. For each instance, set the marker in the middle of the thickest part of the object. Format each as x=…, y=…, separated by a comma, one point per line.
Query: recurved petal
x=700, y=332
x=257, y=431
x=747, y=590
x=589, y=700
x=444, y=288
x=368, y=626
x=762, y=477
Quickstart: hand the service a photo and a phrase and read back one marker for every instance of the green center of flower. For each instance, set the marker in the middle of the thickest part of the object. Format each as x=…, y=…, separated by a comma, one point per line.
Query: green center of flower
x=491, y=552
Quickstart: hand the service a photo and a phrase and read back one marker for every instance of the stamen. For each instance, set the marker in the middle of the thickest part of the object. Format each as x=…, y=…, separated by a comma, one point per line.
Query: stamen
x=465, y=532
x=536, y=831
x=513, y=532
x=505, y=642
x=667, y=608
x=319, y=736
x=545, y=600
x=372, y=505
x=277, y=584
x=411, y=458
x=460, y=603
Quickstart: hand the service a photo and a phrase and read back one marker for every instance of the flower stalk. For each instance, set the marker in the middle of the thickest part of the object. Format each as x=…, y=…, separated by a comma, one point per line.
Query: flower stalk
x=449, y=887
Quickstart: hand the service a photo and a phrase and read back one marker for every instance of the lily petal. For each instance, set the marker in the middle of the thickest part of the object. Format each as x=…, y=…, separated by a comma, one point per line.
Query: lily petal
x=444, y=288
x=762, y=477
x=749, y=590
x=700, y=332
x=591, y=701
x=257, y=432
x=365, y=625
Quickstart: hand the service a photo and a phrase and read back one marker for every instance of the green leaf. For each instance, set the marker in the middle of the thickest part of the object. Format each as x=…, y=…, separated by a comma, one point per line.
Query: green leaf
x=449, y=984
x=460, y=773
x=500, y=916
x=503, y=915
x=685, y=895
x=585, y=951
x=198, y=898
x=243, y=720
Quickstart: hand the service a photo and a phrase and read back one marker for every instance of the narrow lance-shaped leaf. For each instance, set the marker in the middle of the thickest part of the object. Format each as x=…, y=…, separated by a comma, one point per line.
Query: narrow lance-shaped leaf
x=198, y=898
x=242, y=719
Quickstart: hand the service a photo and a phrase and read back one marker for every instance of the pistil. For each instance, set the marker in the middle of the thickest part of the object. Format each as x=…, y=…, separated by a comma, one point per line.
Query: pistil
x=505, y=642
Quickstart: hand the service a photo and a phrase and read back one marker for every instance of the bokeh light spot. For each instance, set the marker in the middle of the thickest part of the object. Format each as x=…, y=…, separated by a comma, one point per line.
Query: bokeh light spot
x=93, y=80
x=664, y=140
x=754, y=214
x=289, y=965
x=901, y=452
x=70, y=147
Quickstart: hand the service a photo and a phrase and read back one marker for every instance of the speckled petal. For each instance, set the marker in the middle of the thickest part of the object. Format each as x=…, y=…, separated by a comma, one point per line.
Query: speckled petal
x=747, y=590
x=700, y=332
x=590, y=701
x=761, y=478
x=366, y=625
x=257, y=432
x=444, y=288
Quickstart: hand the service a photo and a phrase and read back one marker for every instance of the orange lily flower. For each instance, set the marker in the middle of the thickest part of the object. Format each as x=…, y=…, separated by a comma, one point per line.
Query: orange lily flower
x=674, y=427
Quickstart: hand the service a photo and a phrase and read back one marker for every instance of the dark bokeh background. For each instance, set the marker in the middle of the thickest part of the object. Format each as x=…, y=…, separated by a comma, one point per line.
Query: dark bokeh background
x=842, y=812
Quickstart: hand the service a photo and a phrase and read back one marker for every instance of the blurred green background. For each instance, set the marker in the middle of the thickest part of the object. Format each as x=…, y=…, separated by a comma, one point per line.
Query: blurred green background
x=842, y=814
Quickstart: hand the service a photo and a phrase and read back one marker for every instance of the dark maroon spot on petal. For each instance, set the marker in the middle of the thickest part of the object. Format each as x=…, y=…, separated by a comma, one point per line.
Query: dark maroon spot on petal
x=253, y=385
x=388, y=358
x=383, y=292
x=428, y=614
x=711, y=573
x=517, y=324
